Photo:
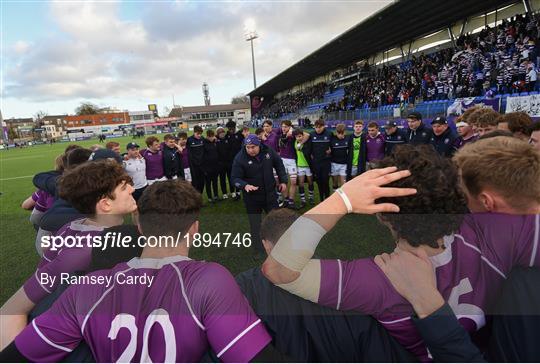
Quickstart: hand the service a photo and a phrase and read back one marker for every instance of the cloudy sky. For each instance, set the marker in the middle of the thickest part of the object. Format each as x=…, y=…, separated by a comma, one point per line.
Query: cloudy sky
x=133, y=53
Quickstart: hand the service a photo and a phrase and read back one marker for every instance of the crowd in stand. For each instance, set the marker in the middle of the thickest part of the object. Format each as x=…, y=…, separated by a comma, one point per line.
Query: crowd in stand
x=496, y=60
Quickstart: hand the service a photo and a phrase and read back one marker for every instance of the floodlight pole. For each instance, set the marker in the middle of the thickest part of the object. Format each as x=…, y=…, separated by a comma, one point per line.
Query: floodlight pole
x=250, y=37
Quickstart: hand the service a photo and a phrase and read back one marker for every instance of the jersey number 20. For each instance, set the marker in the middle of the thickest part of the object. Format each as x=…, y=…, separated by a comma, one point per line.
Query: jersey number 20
x=159, y=316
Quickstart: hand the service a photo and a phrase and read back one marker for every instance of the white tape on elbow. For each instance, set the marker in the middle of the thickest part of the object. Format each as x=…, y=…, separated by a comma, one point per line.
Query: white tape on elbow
x=308, y=285
x=297, y=245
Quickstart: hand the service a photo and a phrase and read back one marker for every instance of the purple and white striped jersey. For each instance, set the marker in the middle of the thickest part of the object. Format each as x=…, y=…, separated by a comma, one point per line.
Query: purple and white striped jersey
x=470, y=273
x=160, y=310
x=46, y=278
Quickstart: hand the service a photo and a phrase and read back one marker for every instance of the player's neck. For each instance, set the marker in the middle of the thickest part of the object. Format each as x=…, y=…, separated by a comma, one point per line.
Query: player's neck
x=164, y=252
x=404, y=245
x=105, y=220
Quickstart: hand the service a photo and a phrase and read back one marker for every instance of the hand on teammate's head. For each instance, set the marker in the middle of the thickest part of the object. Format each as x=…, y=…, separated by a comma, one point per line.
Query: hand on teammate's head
x=363, y=190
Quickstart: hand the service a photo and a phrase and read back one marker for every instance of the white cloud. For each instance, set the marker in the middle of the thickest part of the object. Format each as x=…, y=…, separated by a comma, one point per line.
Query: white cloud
x=171, y=48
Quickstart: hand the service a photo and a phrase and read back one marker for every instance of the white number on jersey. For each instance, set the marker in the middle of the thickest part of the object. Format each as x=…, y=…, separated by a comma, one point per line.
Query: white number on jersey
x=159, y=316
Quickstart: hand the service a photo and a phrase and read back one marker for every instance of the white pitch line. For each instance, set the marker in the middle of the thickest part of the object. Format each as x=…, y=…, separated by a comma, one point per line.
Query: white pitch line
x=8, y=179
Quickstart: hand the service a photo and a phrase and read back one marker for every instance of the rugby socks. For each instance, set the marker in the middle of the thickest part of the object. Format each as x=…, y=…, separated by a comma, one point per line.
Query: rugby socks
x=301, y=190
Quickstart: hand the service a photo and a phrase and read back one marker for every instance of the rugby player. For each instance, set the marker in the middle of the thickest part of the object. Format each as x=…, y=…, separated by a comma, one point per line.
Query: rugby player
x=153, y=157
x=356, y=164
x=375, y=142
x=417, y=133
x=534, y=140
x=114, y=146
x=210, y=166
x=471, y=254
x=493, y=169
x=101, y=190
x=197, y=305
x=287, y=153
x=184, y=153
x=484, y=120
x=320, y=157
x=224, y=156
x=235, y=141
x=519, y=124
x=172, y=164
x=135, y=167
x=393, y=136
x=303, y=152
x=339, y=145
x=466, y=134
x=195, y=146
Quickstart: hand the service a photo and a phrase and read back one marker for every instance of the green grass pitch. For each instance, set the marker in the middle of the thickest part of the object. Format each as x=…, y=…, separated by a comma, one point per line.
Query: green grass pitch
x=355, y=236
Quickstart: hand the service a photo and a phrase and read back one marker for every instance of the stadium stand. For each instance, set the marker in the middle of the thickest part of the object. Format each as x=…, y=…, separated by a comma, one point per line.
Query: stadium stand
x=497, y=59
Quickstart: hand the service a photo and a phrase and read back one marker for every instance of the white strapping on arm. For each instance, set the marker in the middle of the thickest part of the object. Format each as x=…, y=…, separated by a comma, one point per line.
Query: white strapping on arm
x=297, y=245
x=308, y=285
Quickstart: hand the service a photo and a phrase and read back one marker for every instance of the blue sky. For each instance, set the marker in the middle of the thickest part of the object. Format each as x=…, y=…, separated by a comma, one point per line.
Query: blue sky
x=130, y=54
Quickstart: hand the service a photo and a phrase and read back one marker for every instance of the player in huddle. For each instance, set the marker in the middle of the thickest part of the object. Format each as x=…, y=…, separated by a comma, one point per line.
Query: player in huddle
x=472, y=254
x=191, y=306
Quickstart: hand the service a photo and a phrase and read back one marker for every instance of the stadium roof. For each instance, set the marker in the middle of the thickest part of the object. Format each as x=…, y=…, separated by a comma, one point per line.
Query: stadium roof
x=399, y=23
x=178, y=111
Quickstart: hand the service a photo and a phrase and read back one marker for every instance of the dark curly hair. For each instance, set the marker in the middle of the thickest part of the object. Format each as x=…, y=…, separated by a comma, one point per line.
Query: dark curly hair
x=89, y=182
x=437, y=208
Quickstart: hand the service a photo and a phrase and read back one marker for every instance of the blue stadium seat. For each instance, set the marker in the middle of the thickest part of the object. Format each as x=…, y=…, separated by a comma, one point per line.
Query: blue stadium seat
x=524, y=94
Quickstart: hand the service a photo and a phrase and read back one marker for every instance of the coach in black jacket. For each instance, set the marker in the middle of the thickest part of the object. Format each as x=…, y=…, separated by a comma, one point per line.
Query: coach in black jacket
x=252, y=172
x=444, y=138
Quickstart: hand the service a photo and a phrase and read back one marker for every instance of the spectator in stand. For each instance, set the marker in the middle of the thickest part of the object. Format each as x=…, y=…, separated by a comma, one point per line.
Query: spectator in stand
x=417, y=133
x=485, y=120
x=195, y=146
x=519, y=124
x=114, y=146
x=531, y=78
x=393, y=136
x=339, y=146
x=356, y=161
x=210, y=166
x=153, y=156
x=375, y=145
x=444, y=138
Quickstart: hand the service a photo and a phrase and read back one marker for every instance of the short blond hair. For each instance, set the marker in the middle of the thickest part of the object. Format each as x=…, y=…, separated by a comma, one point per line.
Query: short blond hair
x=508, y=165
x=340, y=128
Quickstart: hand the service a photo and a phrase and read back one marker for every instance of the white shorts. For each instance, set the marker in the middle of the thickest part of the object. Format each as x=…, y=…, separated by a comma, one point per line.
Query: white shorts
x=152, y=181
x=339, y=169
x=290, y=166
x=187, y=174
x=304, y=171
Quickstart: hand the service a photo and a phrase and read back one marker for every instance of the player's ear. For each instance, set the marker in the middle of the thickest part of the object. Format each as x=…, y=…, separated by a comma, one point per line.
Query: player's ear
x=268, y=246
x=194, y=228
x=103, y=206
x=488, y=201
